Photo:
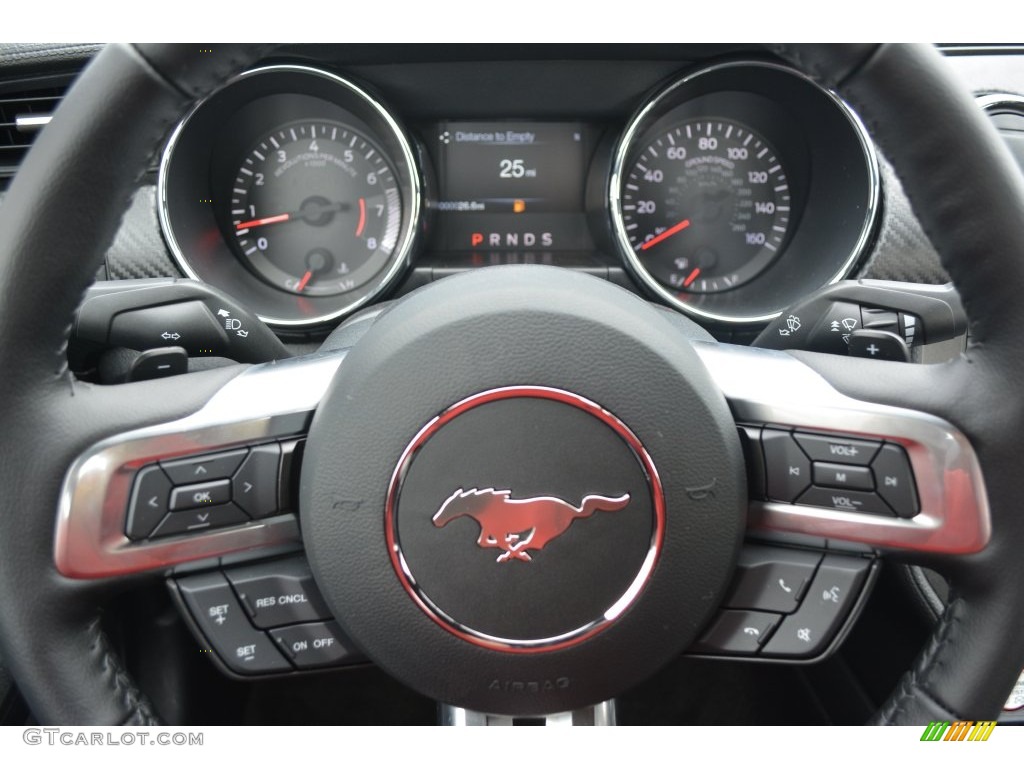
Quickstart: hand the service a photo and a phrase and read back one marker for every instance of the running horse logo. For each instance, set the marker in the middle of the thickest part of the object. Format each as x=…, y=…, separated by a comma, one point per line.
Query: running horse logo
x=517, y=525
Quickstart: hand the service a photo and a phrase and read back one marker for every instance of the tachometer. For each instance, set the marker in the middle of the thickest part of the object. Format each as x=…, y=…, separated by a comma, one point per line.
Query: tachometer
x=706, y=205
x=315, y=208
x=294, y=190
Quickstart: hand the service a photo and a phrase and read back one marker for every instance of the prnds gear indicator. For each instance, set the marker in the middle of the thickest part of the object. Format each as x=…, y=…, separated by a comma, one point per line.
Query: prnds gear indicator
x=511, y=186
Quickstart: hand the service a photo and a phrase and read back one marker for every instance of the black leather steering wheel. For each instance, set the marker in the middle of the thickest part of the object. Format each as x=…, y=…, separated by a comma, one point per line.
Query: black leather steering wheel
x=67, y=200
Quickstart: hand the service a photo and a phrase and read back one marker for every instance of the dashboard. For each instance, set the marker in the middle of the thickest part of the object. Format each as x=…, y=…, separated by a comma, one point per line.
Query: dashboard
x=713, y=180
x=727, y=190
x=576, y=122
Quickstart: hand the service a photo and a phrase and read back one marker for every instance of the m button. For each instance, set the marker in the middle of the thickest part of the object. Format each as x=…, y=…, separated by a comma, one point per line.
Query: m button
x=843, y=476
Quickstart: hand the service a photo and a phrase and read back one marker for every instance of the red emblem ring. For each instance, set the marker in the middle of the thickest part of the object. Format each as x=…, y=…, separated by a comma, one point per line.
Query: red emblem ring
x=512, y=546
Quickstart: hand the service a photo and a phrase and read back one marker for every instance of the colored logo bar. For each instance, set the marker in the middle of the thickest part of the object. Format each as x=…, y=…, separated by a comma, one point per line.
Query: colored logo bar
x=961, y=730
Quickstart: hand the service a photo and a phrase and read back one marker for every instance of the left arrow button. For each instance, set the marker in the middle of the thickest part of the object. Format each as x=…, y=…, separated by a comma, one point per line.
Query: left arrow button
x=149, y=502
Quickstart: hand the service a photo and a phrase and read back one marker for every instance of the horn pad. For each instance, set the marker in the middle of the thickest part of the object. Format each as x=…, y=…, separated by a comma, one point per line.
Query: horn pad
x=564, y=497
x=522, y=492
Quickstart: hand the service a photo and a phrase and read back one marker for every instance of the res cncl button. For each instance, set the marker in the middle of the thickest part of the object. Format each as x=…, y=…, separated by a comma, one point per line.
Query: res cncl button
x=284, y=595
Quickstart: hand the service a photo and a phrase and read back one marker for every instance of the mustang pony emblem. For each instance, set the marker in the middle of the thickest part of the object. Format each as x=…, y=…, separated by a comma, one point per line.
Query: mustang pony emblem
x=517, y=525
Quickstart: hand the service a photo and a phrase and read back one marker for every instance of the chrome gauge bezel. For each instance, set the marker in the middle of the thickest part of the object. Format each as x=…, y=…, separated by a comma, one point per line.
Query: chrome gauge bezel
x=673, y=97
x=367, y=111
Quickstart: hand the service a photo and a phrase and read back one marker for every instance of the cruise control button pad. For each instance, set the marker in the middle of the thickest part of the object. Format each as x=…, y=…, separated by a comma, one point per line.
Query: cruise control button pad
x=264, y=618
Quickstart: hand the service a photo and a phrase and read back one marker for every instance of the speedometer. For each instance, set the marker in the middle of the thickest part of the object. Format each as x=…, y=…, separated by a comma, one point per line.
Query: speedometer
x=738, y=188
x=706, y=205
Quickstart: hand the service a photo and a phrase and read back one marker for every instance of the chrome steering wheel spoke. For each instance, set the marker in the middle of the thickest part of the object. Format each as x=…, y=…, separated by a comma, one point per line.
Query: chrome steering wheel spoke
x=779, y=393
x=264, y=404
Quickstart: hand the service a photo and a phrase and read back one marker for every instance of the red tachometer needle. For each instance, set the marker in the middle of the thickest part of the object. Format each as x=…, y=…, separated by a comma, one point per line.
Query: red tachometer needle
x=263, y=222
x=305, y=279
x=666, y=234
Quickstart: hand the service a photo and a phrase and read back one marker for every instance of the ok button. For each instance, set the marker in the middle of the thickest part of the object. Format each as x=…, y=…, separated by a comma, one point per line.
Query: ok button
x=200, y=495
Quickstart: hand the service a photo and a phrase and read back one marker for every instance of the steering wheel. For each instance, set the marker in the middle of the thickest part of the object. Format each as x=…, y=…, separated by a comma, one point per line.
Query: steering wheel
x=489, y=351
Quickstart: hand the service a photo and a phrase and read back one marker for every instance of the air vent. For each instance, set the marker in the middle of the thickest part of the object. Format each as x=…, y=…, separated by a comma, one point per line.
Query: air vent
x=23, y=113
x=1007, y=113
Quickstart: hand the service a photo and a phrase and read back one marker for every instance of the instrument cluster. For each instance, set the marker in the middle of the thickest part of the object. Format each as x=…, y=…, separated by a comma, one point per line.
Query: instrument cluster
x=730, y=191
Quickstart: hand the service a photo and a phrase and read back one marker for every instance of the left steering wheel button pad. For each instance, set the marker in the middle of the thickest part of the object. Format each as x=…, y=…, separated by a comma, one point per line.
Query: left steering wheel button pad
x=191, y=495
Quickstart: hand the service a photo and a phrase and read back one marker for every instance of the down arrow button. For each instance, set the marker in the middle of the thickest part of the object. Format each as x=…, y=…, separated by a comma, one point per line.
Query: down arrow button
x=254, y=486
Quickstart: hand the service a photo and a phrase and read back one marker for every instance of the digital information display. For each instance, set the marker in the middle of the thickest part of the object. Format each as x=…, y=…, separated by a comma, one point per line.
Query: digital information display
x=511, y=186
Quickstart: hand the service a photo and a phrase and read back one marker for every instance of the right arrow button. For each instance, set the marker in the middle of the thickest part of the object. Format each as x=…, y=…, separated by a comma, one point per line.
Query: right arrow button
x=254, y=486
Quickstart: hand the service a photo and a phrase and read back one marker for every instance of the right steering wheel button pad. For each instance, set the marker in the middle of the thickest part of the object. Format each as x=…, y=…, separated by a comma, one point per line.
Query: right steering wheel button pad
x=770, y=612
x=200, y=493
x=265, y=618
x=837, y=472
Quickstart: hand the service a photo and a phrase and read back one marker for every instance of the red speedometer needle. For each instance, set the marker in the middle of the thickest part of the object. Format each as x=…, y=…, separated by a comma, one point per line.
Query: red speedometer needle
x=666, y=234
x=263, y=222
x=304, y=281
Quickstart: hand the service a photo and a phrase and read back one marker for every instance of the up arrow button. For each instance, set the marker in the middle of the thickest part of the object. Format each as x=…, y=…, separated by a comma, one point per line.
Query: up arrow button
x=210, y=467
